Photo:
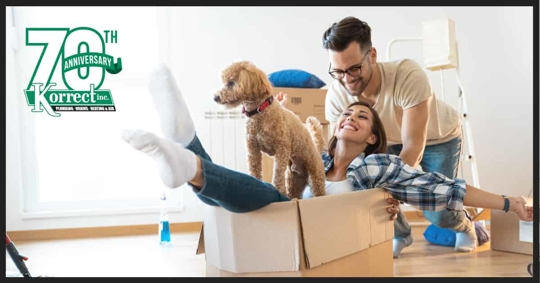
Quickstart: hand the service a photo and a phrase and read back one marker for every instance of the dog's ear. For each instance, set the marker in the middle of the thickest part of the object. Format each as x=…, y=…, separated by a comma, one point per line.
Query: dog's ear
x=263, y=83
x=252, y=81
x=243, y=84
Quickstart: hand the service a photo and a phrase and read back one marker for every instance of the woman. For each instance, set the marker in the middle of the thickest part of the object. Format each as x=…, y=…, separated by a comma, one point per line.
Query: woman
x=355, y=160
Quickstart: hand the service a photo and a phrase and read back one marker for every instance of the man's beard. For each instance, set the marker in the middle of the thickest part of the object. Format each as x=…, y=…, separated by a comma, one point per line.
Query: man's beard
x=364, y=83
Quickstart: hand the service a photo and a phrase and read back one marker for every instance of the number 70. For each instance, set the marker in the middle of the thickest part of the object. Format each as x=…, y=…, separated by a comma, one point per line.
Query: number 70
x=62, y=43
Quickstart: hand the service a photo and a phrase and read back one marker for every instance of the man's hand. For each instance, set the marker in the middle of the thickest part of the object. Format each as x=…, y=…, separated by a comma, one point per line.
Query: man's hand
x=393, y=208
x=282, y=99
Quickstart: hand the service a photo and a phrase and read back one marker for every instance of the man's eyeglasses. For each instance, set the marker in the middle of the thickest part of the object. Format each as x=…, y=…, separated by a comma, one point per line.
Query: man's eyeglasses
x=354, y=71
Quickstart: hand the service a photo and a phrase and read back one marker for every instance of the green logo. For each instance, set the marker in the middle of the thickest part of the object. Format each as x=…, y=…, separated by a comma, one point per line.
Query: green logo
x=84, y=63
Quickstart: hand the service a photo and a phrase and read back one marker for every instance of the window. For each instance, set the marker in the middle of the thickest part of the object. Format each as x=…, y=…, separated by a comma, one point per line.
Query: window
x=78, y=162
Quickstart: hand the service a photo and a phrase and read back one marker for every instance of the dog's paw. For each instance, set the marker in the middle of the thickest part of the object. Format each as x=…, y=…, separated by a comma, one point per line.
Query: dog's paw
x=318, y=193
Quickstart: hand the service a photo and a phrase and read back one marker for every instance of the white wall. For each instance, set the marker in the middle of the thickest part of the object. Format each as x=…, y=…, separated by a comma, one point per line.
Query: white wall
x=495, y=65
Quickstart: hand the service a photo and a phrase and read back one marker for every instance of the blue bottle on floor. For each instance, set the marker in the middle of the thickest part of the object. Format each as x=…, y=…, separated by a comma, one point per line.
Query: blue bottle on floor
x=164, y=229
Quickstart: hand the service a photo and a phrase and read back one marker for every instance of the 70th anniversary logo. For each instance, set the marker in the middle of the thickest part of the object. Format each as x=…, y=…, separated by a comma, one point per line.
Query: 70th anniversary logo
x=84, y=63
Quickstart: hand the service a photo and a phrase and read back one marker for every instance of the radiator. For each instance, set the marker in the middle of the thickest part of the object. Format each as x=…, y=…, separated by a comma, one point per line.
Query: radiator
x=223, y=135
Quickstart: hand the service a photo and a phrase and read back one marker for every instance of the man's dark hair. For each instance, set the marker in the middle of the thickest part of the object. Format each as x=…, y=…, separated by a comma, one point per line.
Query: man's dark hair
x=341, y=34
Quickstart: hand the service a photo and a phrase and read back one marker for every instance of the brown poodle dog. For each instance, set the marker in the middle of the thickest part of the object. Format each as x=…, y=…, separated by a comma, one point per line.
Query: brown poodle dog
x=276, y=131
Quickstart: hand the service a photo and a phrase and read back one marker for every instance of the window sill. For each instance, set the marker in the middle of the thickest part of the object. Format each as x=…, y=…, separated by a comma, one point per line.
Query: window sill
x=101, y=212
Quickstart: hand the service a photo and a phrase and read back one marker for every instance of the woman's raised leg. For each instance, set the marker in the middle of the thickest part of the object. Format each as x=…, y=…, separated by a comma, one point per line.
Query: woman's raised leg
x=174, y=117
x=232, y=190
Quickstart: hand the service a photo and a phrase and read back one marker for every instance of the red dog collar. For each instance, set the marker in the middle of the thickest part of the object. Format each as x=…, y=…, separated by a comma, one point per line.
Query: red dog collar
x=259, y=109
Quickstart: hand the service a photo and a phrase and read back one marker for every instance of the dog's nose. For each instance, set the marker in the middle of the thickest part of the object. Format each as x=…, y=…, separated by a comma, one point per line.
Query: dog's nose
x=216, y=98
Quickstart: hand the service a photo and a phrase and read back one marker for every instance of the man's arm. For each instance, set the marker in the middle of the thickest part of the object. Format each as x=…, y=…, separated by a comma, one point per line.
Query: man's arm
x=333, y=106
x=414, y=132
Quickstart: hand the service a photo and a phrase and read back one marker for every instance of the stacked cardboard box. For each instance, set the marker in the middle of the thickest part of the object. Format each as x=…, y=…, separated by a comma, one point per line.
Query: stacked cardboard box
x=305, y=102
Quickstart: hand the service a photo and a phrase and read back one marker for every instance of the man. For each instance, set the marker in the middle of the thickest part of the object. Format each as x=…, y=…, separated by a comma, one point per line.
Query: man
x=420, y=129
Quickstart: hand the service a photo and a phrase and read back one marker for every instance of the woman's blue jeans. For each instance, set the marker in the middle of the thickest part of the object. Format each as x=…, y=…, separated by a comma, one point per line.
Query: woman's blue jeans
x=235, y=191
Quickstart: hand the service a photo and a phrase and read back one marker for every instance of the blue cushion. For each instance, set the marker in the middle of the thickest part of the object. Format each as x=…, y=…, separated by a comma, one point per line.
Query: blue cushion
x=440, y=236
x=447, y=237
x=294, y=78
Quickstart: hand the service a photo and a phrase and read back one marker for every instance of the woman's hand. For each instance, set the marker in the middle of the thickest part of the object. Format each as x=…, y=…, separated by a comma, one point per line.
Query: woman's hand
x=517, y=205
x=393, y=208
x=282, y=99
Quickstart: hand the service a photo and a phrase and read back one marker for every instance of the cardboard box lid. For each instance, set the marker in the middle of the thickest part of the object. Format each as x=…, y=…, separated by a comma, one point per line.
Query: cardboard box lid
x=273, y=238
x=339, y=225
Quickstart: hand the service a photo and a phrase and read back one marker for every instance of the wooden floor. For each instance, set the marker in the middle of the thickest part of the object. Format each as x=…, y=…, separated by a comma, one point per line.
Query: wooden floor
x=423, y=259
x=142, y=256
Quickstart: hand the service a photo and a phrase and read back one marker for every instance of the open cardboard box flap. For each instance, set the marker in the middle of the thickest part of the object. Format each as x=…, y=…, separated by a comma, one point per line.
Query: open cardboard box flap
x=263, y=240
x=275, y=237
x=339, y=225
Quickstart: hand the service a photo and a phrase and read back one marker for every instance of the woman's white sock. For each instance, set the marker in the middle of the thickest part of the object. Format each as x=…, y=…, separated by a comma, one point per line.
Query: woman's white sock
x=175, y=120
x=176, y=165
x=466, y=241
x=398, y=246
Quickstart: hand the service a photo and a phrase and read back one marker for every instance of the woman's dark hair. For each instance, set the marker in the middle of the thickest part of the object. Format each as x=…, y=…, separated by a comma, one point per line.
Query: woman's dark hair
x=341, y=34
x=377, y=128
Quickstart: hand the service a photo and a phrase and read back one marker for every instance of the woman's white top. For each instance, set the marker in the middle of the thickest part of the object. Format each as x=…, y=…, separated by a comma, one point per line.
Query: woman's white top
x=331, y=188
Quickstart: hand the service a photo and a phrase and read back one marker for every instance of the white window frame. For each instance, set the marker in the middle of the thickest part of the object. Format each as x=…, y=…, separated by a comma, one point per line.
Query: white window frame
x=30, y=206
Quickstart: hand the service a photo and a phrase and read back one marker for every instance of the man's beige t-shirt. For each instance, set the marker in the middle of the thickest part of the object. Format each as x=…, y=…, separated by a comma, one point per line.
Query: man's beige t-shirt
x=404, y=85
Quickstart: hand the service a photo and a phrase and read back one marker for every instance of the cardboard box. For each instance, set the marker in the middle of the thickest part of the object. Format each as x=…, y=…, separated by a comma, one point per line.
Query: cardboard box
x=509, y=234
x=345, y=235
x=305, y=102
x=439, y=44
